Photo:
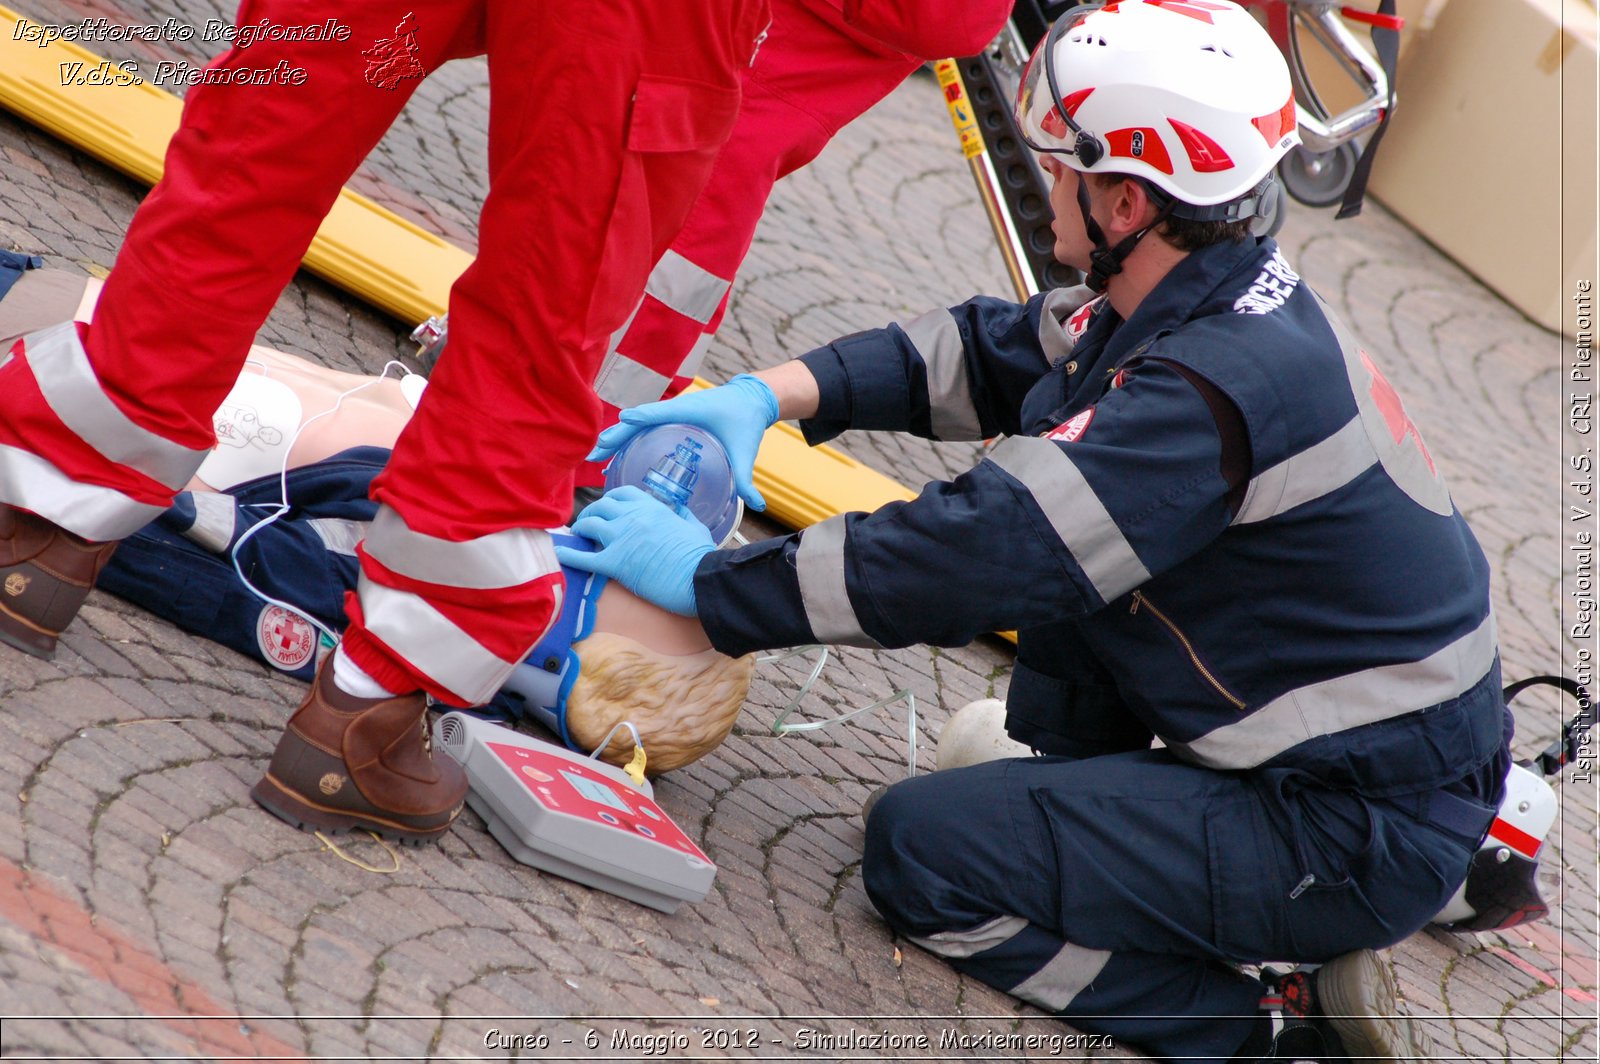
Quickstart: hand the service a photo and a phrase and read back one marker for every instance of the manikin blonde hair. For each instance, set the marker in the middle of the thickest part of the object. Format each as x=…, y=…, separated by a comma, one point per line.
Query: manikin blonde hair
x=684, y=705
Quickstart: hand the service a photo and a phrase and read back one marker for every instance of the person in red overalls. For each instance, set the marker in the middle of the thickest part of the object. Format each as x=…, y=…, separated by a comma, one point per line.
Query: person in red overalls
x=604, y=123
x=824, y=63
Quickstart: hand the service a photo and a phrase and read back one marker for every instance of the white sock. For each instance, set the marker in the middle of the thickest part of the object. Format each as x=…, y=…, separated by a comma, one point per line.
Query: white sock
x=353, y=680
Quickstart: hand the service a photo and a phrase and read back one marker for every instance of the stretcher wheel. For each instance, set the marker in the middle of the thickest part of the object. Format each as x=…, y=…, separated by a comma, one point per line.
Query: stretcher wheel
x=1318, y=179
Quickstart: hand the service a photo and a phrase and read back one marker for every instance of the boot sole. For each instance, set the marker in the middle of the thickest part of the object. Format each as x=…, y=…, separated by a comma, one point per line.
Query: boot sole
x=1361, y=1002
x=27, y=637
x=291, y=808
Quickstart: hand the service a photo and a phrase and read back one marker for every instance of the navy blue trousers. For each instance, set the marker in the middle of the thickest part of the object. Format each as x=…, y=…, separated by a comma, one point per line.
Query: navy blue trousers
x=1120, y=892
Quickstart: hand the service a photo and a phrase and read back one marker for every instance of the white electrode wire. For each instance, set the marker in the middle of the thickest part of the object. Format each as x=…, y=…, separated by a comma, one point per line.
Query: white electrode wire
x=816, y=671
x=282, y=507
x=618, y=726
x=780, y=728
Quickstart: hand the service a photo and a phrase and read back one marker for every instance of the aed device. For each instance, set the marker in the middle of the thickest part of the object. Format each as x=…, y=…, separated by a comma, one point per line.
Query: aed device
x=574, y=816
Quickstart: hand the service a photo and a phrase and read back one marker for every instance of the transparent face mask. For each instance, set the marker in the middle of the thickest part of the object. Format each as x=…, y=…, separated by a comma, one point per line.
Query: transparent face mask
x=1043, y=117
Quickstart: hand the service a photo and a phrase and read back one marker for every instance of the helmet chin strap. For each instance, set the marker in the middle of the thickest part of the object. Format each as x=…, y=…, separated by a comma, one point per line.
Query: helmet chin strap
x=1106, y=261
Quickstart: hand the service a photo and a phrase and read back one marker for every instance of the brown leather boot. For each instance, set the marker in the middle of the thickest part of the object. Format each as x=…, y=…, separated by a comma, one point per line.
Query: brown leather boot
x=347, y=762
x=45, y=574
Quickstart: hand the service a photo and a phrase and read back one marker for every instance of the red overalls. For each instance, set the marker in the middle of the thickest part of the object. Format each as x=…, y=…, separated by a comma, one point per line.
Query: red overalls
x=824, y=63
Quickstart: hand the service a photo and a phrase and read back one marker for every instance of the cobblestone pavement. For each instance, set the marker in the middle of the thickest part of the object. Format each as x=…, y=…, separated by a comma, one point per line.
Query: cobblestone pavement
x=149, y=910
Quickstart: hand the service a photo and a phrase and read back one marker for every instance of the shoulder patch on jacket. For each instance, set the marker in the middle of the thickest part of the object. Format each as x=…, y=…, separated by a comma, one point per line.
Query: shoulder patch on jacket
x=1077, y=322
x=1072, y=430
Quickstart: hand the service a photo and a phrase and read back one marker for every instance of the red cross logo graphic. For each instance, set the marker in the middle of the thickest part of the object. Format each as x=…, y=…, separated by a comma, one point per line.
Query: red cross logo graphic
x=1394, y=411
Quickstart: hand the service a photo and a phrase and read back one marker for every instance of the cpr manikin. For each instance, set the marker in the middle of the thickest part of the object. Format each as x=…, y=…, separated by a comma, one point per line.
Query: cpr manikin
x=616, y=657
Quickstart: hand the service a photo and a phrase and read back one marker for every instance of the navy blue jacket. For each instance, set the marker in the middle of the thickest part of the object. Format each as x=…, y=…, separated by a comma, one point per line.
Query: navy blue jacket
x=1212, y=523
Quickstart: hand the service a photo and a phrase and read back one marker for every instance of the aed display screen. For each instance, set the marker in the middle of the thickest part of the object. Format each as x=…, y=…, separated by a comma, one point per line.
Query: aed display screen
x=596, y=792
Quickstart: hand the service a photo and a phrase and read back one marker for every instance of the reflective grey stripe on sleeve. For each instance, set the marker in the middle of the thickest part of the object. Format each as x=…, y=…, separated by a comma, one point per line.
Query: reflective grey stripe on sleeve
x=966, y=943
x=431, y=643
x=819, y=564
x=622, y=382
x=937, y=338
x=1074, y=511
x=1059, y=982
x=1346, y=702
x=214, y=520
x=1319, y=469
x=68, y=383
x=688, y=289
x=87, y=510
x=500, y=559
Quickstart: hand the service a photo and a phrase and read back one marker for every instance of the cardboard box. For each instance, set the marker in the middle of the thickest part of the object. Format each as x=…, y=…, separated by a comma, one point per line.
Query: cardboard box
x=1491, y=154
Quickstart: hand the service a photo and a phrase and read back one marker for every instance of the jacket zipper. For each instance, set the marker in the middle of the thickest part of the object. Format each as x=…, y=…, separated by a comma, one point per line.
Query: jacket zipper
x=1139, y=599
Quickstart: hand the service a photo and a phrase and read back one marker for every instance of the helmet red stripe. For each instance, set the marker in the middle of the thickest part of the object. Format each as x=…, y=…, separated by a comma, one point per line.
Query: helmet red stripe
x=1143, y=144
x=1205, y=154
x=1074, y=100
x=1275, y=125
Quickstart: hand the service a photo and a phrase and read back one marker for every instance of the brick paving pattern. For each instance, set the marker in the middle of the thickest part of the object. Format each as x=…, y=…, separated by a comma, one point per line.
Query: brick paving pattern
x=149, y=910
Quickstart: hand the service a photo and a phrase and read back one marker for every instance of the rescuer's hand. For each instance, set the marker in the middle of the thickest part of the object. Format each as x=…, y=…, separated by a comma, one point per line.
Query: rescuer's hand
x=644, y=546
x=737, y=413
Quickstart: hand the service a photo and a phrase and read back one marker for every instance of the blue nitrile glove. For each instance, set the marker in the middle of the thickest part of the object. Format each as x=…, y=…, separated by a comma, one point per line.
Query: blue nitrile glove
x=644, y=546
x=736, y=413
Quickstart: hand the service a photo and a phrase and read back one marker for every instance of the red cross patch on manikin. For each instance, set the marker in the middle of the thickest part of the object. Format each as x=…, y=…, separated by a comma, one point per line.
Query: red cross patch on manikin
x=287, y=640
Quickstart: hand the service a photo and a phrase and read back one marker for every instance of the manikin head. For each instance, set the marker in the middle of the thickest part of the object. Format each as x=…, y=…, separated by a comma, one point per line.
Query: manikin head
x=684, y=705
x=613, y=657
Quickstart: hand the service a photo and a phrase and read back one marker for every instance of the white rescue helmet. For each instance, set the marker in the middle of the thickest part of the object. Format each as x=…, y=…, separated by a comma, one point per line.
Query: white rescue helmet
x=1192, y=96
x=1506, y=885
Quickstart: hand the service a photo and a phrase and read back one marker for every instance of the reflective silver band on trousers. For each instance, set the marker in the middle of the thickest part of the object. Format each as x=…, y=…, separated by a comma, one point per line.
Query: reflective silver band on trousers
x=68, y=383
x=962, y=944
x=624, y=381
x=431, y=643
x=1344, y=702
x=87, y=510
x=690, y=290
x=1052, y=987
x=819, y=566
x=500, y=559
x=696, y=357
x=683, y=288
x=1058, y=984
x=1075, y=513
x=214, y=521
x=937, y=338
